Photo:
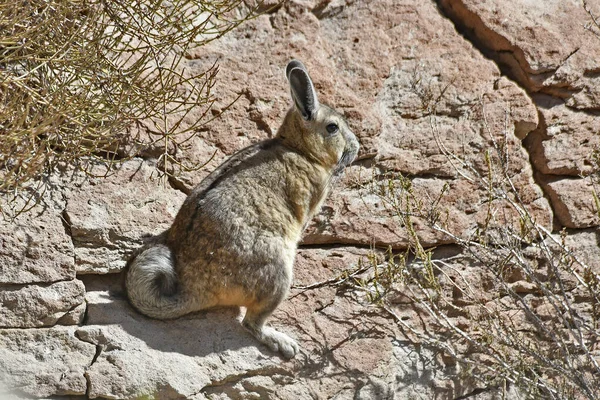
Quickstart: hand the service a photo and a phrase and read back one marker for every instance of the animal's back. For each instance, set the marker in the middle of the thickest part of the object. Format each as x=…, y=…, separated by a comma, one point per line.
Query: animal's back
x=234, y=239
x=245, y=219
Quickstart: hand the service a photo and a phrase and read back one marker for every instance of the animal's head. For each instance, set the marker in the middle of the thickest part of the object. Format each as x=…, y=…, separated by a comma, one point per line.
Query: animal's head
x=316, y=130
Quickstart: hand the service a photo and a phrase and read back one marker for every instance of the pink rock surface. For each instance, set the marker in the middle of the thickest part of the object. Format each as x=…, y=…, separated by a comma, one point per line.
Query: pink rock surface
x=43, y=362
x=34, y=306
x=430, y=106
x=388, y=80
x=108, y=218
x=550, y=48
x=565, y=142
x=36, y=247
x=574, y=202
x=544, y=43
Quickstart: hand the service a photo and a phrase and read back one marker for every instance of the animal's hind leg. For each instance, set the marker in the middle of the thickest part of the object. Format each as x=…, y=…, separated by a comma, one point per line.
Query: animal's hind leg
x=254, y=321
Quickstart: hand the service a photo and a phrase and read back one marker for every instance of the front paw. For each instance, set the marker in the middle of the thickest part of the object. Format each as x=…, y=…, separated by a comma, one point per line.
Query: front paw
x=281, y=342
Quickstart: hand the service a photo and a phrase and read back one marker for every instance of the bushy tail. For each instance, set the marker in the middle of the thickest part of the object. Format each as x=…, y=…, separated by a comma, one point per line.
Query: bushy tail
x=152, y=284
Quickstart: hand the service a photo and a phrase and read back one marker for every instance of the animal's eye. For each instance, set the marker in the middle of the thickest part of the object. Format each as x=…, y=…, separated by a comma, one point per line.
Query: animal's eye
x=332, y=128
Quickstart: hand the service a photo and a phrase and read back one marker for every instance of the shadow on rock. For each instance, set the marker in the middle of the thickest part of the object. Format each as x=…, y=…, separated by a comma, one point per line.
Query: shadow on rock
x=112, y=322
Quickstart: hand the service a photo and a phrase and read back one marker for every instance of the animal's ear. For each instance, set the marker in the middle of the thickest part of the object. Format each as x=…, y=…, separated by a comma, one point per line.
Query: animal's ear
x=303, y=91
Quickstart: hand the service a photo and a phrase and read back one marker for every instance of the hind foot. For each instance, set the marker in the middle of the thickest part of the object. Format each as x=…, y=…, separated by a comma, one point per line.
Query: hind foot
x=279, y=342
x=275, y=340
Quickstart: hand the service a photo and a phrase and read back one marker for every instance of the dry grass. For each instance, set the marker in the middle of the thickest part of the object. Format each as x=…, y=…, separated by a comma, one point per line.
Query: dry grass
x=516, y=307
x=593, y=25
x=83, y=82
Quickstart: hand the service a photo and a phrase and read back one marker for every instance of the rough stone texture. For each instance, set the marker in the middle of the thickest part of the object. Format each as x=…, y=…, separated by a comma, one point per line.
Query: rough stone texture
x=108, y=218
x=564, y=142
x=35, y=247
x=358, y=214
x=523, y=75
x=41, y=305
x=349, y=347
x=466, y=118
x=43, y=362
x=574, y=203
x=546, y=49
x=543, y=42
x=587, y=245
x=388, y=79
x=179, y=358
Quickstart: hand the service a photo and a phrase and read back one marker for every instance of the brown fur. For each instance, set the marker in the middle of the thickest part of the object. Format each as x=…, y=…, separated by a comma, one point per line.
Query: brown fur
x=234, y=239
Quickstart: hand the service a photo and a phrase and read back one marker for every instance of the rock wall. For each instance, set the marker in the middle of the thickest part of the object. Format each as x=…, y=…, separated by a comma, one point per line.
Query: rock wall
x=66, y=328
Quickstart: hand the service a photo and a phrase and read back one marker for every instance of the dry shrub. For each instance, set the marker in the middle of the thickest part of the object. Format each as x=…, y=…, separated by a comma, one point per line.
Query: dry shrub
x=517, y=306
x=77, y=78
x=593, y=25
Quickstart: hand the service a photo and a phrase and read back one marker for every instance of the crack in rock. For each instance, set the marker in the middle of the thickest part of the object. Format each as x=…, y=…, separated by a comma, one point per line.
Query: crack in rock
x=255, y=114
x=232, y=380
x=86, y=374
x=85, y=337
x=509, y=58
x=41, y=304
x=512, y=62
x=66, y=221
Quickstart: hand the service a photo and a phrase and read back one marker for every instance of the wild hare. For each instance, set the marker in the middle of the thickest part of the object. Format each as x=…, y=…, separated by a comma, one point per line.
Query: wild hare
x=234, y=239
